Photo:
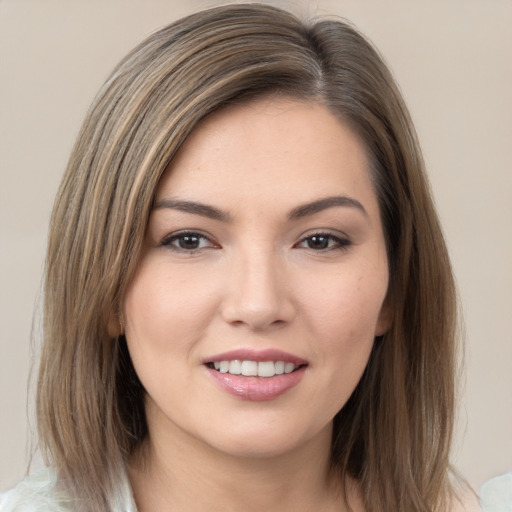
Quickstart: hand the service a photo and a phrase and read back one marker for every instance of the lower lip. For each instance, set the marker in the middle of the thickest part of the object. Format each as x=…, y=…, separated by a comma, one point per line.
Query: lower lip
x=257, y=389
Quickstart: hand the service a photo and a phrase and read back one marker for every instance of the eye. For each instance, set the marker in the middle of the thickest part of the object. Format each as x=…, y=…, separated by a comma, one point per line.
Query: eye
x=187, y=241
x=323, y=242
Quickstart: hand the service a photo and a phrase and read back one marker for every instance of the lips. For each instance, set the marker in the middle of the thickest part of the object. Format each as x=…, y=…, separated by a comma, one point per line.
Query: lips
x=256, y=375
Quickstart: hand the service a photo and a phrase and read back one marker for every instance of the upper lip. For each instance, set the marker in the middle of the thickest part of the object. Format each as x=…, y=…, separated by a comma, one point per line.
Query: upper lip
x=246, y=354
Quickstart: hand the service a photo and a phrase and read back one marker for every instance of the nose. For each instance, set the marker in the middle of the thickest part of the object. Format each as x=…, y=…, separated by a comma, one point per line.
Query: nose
x=257, y=295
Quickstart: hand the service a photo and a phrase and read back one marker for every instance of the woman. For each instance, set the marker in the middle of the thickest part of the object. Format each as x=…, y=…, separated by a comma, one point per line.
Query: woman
x=248, y=300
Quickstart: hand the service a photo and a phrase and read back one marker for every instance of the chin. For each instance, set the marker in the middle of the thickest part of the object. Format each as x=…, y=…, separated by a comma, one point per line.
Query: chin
x=267, y=440
x=256, y=450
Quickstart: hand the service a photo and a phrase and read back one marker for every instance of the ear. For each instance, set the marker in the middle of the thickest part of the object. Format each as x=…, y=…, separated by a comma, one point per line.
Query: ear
x=385, y=318
x=114, y=326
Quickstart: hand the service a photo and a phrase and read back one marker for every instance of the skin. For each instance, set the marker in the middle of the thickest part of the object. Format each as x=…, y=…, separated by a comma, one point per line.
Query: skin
x=256, y=279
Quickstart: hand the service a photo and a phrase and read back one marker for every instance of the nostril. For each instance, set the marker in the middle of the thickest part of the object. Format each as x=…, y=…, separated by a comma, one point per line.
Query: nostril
x=259, y=324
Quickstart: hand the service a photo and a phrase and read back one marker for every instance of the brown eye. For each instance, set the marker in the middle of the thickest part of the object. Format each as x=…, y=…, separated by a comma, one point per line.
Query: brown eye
x=187, y=241
x=324, y=242
x=317, y=242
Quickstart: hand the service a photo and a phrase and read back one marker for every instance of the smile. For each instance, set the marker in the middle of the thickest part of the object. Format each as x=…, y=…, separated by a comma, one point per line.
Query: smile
x=253, y=368
x=256, y=375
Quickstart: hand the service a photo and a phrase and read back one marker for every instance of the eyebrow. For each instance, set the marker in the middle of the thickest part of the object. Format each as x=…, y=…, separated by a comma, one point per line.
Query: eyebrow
x=323, y=204
x=193, y=207
x=297, y=213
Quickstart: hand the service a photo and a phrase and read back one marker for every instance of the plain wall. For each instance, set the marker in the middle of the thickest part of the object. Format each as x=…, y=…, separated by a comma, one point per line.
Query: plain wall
x=453, y=61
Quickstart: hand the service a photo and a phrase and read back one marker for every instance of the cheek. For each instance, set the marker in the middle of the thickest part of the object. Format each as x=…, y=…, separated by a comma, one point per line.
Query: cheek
x=344, y=322
x=343, y=315
x=164, y=311
x=347, y=303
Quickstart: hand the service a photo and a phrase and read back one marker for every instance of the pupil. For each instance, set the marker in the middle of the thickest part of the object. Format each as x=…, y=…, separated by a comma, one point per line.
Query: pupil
x=189, y=242
x=318, y=242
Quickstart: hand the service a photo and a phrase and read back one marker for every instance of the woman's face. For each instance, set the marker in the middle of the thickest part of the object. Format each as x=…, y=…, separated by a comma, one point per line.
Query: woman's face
x=260, y=290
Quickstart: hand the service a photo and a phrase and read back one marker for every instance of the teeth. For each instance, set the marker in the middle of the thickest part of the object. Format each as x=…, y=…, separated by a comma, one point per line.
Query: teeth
x=235, y=367
x=253, y=368
x=250, y=368
x=279, y=367
x=289, y=367
x=266, y=369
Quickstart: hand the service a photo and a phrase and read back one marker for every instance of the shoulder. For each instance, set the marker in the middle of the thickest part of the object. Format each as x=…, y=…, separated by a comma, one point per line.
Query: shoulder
x=36, y=493
x=468, y=504
x=496, y=494
x=40, y=493
x=465, y=499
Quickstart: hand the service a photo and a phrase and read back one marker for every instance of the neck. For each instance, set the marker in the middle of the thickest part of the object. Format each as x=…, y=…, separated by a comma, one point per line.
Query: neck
x=177, y=472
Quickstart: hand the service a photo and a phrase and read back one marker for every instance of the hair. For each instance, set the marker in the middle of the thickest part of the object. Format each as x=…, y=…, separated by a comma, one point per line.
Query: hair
x=394, y=433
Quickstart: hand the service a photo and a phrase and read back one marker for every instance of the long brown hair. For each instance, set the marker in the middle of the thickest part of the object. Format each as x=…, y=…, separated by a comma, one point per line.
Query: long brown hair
x=394, y=433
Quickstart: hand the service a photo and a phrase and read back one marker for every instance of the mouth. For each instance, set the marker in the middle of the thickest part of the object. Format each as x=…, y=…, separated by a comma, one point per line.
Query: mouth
x=256, y=375
x=249, y=368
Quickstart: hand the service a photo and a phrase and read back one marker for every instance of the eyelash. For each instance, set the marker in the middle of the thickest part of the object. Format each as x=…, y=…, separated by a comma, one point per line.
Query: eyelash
x=337, y=243
x=333, y=242
x=168, y=241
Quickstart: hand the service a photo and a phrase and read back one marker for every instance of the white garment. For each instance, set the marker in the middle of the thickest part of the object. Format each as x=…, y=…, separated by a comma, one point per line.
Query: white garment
x=496, y=494
x=38, y=493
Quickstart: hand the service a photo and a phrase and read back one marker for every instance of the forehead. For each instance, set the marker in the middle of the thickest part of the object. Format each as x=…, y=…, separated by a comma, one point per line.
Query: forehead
x=278, y=151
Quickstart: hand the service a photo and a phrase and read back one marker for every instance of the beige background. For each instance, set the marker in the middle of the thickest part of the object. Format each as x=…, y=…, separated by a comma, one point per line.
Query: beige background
x=453, y=60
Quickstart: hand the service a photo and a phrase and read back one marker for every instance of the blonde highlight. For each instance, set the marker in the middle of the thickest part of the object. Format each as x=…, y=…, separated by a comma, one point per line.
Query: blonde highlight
x=398, y=422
